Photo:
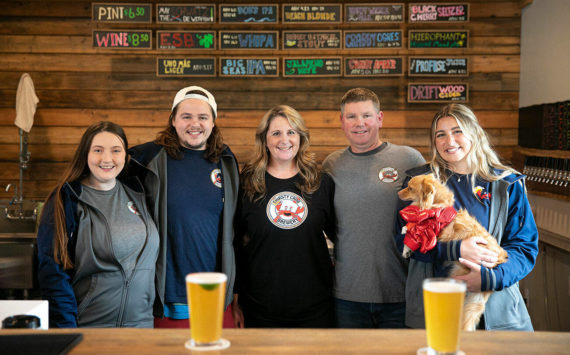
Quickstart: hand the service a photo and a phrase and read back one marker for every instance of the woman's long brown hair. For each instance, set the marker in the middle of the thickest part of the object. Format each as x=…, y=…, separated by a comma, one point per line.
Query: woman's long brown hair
x=77, y=170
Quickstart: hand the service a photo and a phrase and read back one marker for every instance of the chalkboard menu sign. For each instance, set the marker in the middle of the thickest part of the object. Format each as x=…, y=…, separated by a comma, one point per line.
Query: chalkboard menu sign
x=374, y=13
x=312, y=66
x=125, y=13
x=185, y=40
x=312, y=39
x=174, y=67
x=436, y=92
x=438, y=66
x=373, y=66
x=438, y=39
x=123, y=39
x=265, y=13
x=439, y=12
x=179, y=13
x=249, y=39
x=249, y=66
x=372, y=39
x=312, y=13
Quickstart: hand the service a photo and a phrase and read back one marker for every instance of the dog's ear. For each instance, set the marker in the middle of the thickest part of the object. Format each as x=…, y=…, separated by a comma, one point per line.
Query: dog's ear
x=427, y=194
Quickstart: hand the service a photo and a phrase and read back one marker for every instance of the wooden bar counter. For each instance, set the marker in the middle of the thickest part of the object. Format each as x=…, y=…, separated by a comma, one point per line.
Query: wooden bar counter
x=305, y=341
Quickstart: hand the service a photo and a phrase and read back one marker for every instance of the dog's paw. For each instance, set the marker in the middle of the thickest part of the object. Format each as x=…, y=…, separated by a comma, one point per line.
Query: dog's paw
x=407, y=252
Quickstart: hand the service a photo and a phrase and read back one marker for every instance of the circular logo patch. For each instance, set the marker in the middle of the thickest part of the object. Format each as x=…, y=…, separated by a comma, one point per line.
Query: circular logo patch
x=287, y=210
x=133, y=208
x=388, y=174
x=216, y=177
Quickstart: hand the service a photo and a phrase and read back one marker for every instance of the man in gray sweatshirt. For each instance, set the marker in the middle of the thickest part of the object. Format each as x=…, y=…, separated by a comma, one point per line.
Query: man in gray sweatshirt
x=370, y=274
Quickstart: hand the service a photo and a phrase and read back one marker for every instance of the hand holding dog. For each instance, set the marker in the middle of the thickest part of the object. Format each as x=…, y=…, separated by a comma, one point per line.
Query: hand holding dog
x=472, y=251
x=473, y=278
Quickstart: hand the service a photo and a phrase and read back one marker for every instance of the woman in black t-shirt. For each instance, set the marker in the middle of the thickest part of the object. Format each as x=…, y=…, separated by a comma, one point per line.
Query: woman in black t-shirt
x=284, y=272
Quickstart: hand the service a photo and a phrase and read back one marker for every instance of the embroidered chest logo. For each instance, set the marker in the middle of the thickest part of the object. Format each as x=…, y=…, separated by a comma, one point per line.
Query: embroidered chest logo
x=216, y=177
x=388, y=174
x=287, y=210
x=133, y=208
x=480, y=192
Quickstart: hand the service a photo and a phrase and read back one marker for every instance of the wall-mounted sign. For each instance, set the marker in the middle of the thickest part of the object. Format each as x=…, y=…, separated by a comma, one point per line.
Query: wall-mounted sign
x=185, y=40
x=373, y=39
x=174, y=67
x=125, y=13
x=312, y=13
x=312, y=66
x=249, y=39
x=373, y=66
x=374, y=13
x=437, y=92
x=179, y=13
x=246, y=13
x=438, y=66
x=439, y=12
x=122, y=39
x=232, y=66
x=312, y=39
x=438, y=39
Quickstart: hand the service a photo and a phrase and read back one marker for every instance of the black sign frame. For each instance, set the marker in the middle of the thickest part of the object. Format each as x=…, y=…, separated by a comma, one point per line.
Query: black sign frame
x=185, y=48
x=148, y=32
x=380, y=5
x=221, y=74
x=348, y=74
x=336, y=6
x=221, y=34
x=284, y=40
x=339, y=58
x=466, y=95
x=183, y=22
x=411, y=72
x=438, y=31
x=130, y=5
x=158, y=74
x=345, y=32
x=437, y=4
x=275, y=6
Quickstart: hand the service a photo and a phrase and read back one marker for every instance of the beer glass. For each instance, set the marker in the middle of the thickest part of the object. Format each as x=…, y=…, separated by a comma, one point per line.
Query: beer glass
x=206, y=292
x=443, y=310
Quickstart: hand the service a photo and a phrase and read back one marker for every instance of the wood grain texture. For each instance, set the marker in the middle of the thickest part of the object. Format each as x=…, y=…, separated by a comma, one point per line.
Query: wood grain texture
x=79, y=85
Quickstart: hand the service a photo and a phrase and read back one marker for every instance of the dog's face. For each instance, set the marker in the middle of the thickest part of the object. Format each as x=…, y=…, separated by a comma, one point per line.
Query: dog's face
x=426, y=191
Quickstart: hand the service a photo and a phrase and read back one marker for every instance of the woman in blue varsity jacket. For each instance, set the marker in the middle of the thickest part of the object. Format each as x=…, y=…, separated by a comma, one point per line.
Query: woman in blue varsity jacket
x=495, y=194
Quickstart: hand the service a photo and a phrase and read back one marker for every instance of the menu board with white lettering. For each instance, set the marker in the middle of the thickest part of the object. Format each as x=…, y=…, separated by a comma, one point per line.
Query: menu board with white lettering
x=438, y=39
x=437, y=92
x=185, y=40
x=373, y=66
x=439, y=12
x=312, y=13
x=249, y=13
x=232, y=66
x=191, y=66
x=189, y=14
x=374, y=13
x=438, y=66
x=122, y=39
x=249, y=39
x=312, y=39
x=124, y=13
x=373, y=39
x=312, y=67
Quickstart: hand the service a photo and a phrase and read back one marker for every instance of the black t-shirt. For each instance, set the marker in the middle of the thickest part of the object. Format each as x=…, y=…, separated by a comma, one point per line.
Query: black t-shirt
x=284, y=269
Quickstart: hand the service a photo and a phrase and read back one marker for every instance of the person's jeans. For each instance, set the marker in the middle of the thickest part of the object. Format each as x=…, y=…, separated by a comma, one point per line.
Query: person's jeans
x=369, y=315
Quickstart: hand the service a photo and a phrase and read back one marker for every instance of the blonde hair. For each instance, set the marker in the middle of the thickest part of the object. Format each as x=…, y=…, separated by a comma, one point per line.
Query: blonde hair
x=481, y=159
x=253, y=173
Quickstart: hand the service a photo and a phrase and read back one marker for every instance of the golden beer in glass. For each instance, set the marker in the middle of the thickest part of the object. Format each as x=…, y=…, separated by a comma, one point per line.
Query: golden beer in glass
x=443, y=310
x=205, y=291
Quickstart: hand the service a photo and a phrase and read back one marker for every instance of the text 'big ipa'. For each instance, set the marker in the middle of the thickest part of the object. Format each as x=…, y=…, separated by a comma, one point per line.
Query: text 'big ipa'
x=443, y=308
x=206, y=306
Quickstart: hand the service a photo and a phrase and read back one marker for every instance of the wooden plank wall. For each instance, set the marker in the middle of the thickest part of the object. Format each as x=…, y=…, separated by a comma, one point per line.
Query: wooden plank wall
x=78, y=85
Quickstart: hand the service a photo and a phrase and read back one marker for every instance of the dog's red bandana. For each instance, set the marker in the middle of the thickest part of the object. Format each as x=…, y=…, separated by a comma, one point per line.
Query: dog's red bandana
x=424, y=226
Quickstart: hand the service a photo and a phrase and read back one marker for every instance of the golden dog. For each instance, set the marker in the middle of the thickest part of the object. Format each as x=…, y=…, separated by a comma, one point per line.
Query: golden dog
x=426, y=192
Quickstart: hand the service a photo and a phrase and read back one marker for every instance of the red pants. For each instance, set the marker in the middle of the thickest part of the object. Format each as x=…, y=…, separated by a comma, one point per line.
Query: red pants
x=184, y=323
